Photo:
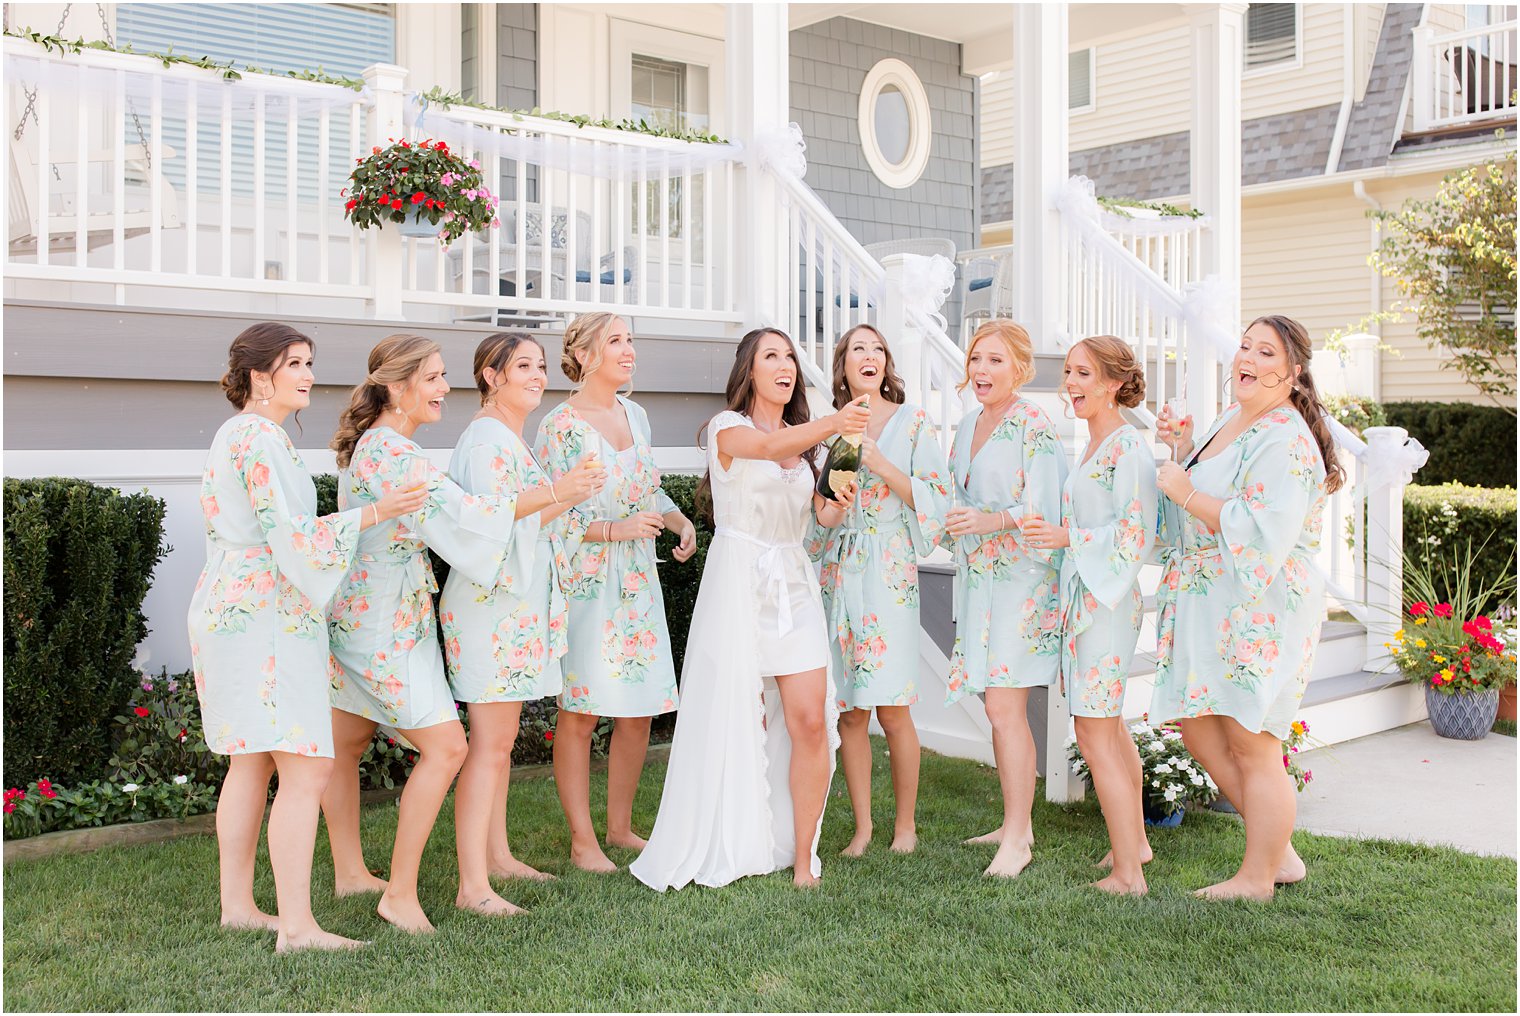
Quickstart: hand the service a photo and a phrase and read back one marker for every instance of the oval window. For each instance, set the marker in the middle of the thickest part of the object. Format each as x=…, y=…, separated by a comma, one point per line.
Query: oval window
x=894, y=123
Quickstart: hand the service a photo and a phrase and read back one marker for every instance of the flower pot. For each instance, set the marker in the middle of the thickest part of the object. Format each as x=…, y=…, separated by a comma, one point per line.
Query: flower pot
x=1507, y=702
x=1462, y=715
x=1156, y=817
x=417, y=225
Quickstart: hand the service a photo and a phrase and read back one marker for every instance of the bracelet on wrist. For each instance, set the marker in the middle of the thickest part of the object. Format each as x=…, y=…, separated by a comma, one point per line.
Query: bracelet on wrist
x=376, y=508
x=553, y=493
x=1188, y=498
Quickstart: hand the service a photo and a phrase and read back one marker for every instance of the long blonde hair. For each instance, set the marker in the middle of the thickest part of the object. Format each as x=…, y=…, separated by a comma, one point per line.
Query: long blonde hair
x=396, y=359
x=587, y=332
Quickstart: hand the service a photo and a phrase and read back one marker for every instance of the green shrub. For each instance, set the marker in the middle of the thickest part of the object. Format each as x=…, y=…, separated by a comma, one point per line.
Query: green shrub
x=43, y=807
x=1467, y=443
x=679, y=581
x=78, y=562
x=1441, y=522
x=1356, y=412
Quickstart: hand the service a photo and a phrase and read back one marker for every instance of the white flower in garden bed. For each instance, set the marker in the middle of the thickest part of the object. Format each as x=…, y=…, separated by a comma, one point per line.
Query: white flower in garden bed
x=1170, y=775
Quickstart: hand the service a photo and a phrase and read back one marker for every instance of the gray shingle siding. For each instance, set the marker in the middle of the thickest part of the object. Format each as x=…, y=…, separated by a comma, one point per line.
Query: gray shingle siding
x=516, y=55
x=1374, y=123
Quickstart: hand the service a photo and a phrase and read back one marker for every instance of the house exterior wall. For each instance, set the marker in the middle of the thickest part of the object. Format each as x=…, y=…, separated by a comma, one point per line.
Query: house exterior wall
x=516, y=55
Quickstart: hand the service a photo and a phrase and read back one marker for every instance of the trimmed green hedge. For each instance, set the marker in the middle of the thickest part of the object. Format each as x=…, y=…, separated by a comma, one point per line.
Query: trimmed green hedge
x=1468, y=444
x=78, y=562
x=1441, y=522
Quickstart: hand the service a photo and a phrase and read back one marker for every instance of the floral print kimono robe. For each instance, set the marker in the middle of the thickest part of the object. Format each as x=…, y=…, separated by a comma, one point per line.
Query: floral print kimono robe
x=1008, y=629
x=870, y=568
x=258, y=625
x=386, y=663
x=1109, y=508
x=1240, y=609
x=619, y=661
x=502, y=643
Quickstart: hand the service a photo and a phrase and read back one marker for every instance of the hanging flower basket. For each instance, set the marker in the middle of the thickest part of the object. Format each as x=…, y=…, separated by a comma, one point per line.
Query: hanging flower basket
x=424, y=188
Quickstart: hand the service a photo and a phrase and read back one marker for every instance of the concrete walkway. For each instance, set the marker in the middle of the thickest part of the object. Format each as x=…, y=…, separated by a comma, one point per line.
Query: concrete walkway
x=1409, y=784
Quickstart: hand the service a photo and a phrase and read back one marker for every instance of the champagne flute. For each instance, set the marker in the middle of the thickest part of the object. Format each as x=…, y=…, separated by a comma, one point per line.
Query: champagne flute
x=1032, y=513
x=1176, y=407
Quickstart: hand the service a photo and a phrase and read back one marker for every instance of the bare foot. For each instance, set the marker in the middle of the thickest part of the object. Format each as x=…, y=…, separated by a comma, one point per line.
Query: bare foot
x=858, y=843
x=1108, y=858
x=905, y=842
x=1234, y=889
x=1121, y=886
x=488, y=903
x=631, y=840
x=806, y=880
x=592, y=859
x=996, y=836
x=369, y=883
x=404, y=914
x=1293, y=868
x=316, y=939
x=1010, y=859
x=511, y=867
x=254, y=921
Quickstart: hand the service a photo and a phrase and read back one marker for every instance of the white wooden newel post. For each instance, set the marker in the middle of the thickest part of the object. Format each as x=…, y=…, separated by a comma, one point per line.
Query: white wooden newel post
x=1385, y=545
x=759, y=96
x=387, y=119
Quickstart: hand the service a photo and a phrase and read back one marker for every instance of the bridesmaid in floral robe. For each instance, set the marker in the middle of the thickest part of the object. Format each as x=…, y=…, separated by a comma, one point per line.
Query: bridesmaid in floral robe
x=1107, y=527
x=503, y=643
x=870, y=578
x=1240, y=604
x=386, y=664
x=619, y=662
x=1008, y=467
x=258, y=631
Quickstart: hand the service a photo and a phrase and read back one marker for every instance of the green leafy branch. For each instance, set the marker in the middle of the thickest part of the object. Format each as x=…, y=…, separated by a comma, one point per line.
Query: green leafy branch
x=448, y=99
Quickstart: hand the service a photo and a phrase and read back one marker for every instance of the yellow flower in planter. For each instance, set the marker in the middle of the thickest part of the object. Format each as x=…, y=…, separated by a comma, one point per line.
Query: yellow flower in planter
x=1419, y=643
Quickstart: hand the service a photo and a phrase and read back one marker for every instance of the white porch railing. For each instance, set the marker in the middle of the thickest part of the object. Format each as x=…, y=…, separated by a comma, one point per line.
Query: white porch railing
x=140, y=177
x=1465, y=77
x=1170, y=246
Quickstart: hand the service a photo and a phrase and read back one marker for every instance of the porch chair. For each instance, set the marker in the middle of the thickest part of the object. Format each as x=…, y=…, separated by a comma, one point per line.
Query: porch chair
x=987, y=291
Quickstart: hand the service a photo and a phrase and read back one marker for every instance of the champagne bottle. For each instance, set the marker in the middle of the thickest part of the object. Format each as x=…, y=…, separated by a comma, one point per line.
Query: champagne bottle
x=841, y=465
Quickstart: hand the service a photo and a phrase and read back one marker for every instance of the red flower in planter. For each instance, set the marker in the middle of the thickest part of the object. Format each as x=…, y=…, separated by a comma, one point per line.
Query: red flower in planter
x=419, y=198
x=548, y=735
x=350, y=205
x=396, y=204
x=1419, y=608
x=10, y=806
x=1442, y=610
x=45, y=788
x=143, y=711
x=1483, y=622
x=14, y=794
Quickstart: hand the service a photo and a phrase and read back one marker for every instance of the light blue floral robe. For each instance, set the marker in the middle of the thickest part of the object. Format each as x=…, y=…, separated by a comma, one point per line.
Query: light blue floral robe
x=619, y=661
x=386, y=664
x=258, y=623
x=1241, y=609
x=503, y=643
x=1008, y=628
x=1109, y=507
x=870, y=568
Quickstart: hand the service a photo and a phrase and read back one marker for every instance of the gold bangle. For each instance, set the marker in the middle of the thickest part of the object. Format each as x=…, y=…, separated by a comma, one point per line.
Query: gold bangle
x=376, y=508
x=553, y=493
x=1188, y=498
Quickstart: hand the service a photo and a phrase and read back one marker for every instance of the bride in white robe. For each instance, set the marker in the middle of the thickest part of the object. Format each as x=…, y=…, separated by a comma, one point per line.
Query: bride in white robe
x=757, y=727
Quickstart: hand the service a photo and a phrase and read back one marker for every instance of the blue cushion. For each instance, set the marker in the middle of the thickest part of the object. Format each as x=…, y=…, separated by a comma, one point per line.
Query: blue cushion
x=978, y=284
x=854, y=300
x=607, y=276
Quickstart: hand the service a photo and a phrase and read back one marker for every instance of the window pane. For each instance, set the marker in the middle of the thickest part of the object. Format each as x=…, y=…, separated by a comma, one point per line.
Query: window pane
x=1079, y=79
x=1271, y=34
x=893, y=130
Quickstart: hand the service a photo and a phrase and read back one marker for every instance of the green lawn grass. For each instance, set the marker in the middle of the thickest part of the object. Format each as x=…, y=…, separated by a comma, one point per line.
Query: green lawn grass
x=1377, y=926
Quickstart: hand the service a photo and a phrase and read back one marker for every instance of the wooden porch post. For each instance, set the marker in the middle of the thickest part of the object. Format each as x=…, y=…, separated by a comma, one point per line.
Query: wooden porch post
x=759, y=96
x=1040, y=166
x=387, y=119
x=1218, y=48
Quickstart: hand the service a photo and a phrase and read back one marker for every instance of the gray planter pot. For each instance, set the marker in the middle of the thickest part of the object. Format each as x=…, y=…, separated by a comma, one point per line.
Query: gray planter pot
x=1462, y=715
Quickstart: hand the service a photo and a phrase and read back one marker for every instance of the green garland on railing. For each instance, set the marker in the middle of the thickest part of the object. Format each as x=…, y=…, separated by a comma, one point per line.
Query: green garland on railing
x=1120, y=206
x=447, y=99
x=228, y=70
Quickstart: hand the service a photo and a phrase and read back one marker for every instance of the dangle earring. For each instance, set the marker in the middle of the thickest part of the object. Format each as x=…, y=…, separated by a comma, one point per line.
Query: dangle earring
x=263, y=399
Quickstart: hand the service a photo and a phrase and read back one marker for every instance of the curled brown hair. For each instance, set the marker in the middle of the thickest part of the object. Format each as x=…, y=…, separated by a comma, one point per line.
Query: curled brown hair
x=891, y=385
x=739, y=395
x=396, y=359
x=587, y=332
x=1115, y=361
x=495, y=352
x=1304, y=396
x=1014, y=339
x=259, y=347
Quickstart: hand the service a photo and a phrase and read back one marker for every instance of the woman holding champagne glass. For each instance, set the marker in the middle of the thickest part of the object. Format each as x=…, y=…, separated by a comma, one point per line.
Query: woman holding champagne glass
x=1008, y=468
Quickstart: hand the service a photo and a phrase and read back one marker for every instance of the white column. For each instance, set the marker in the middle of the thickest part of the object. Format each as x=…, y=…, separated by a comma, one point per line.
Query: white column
x=759, y=97
x=1385, y=549
x=907, y=341
x=1218, y=54
x=1040, y=165
x=387, y=119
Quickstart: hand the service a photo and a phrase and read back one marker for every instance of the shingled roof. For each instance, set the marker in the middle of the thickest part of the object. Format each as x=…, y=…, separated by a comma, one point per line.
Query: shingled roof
x=1374, y=124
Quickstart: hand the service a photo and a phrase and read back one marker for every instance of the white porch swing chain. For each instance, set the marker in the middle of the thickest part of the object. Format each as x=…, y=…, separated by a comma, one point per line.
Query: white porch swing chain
x=31, y=93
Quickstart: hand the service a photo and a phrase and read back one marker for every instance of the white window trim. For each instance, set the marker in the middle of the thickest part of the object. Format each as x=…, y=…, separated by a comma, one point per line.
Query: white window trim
x=1092, y=84
x=895, y=73
x=628, y=37
x=1295, y=64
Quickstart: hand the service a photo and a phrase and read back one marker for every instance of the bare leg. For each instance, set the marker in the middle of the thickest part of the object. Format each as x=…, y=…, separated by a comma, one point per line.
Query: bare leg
x=440, y=752
x=625, y=764
x=239, y=818
x=1013, y=748
x=493, y=728
x=1231, y=783
x=572, y=778
x=292, y=838
x=340, y=806
x=1102, y=740
x=855, y=754
x=498, y=850
x=902, y=744
x=1135, y=775
x=1267, y=795
x=802, y=705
